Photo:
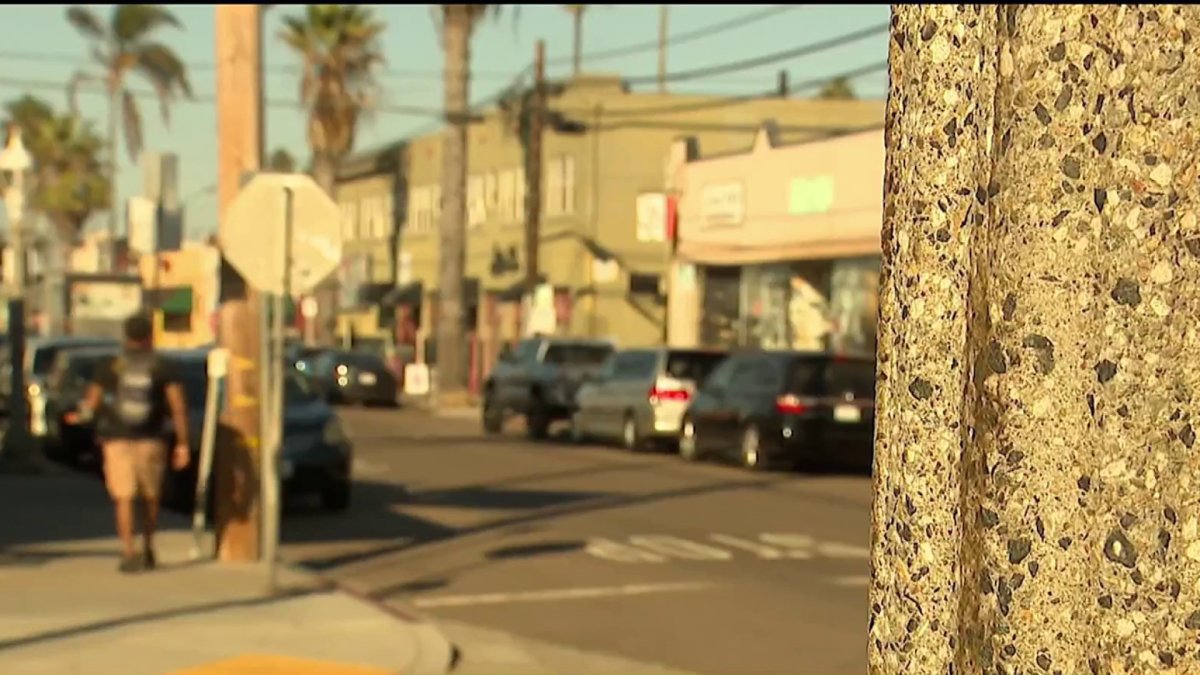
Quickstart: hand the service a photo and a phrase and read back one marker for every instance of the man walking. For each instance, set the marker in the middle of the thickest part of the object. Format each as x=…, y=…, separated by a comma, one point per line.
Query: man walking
x=131, y=398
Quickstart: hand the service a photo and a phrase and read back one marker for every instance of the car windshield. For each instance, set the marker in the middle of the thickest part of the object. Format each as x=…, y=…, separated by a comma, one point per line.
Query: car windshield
x=577, y=355
x=694, y=366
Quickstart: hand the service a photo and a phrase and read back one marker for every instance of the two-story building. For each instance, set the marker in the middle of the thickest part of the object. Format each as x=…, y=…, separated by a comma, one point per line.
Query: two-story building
x=778, y=246
x=606, y=268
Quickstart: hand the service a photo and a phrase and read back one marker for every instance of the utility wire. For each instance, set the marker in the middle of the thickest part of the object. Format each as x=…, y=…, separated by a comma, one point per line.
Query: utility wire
x=727, y=101
x=746, y=64
x=681, y=38
x=288, y=69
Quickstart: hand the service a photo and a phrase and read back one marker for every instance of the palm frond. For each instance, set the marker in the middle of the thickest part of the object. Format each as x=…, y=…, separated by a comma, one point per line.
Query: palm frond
x=131, y=119
x=133, y=23
x=87, y=23
x=166, y=73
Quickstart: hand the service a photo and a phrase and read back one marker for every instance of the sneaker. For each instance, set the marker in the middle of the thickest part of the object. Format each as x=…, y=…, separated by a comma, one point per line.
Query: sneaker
x=148, y=561
x=130, y=564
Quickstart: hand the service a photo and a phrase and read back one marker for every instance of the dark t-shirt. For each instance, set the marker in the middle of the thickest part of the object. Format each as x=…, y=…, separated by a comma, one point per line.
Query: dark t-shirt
x=109, y=426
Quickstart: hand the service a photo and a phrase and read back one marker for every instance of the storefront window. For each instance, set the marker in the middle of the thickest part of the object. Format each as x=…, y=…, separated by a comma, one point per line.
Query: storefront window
x=854, y=304
x=720, y=307
x=787, y=306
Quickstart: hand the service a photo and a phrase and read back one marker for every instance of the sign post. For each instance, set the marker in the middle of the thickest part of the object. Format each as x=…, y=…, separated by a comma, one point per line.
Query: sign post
x=284, y=237
x=218, y=366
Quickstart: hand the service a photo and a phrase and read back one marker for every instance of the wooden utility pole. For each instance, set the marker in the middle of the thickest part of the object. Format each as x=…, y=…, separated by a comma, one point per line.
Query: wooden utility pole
x=239, y=130
x=663, y=10
x=536, y=112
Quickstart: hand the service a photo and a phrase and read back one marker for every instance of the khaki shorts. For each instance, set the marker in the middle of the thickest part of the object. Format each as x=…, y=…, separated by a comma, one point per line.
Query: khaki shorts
x=133, y=467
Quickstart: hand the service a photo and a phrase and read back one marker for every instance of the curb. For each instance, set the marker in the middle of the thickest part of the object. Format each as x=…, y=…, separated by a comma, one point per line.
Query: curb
x=435, y=652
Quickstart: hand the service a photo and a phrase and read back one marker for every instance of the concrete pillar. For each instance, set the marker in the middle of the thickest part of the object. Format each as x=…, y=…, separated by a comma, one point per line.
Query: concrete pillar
x=1035, y=477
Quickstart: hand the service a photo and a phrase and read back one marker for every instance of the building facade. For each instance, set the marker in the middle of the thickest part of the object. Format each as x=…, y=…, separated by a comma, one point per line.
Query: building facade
x=604, y=262
x=778, y=247
x=182, y=290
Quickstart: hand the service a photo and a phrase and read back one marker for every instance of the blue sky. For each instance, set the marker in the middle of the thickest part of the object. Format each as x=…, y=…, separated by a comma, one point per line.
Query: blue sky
x=38, y=46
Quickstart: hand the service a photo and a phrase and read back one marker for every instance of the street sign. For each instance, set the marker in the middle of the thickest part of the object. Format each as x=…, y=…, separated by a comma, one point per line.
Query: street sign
x=254, y=239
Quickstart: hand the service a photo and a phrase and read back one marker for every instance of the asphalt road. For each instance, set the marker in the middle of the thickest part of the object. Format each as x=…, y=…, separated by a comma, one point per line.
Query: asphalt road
x=703, y=568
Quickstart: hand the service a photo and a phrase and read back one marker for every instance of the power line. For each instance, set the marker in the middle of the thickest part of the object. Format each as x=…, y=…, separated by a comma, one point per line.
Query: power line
x=682, y=38
x=287, y=69
x=727, y=101
x=746, y=64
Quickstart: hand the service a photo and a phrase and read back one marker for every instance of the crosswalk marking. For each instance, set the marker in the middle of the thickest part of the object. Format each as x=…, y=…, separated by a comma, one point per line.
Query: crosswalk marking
x=252, y=664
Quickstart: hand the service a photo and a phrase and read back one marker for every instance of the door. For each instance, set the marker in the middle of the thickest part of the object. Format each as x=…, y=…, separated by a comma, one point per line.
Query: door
x=630, y=390
x=710, y=401
x=754, y=387
x=514, y=375
x=590, y=400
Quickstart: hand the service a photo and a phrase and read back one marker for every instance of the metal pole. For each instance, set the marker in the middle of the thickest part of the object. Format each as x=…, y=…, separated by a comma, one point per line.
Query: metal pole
x=17, y=442
x=273, y=425
x=662, y=48
x=208, y=439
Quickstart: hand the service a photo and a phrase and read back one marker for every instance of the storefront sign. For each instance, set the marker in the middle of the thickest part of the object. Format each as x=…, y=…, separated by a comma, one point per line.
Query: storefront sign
x=723, y=205
x=652, y=217
x=809, y=196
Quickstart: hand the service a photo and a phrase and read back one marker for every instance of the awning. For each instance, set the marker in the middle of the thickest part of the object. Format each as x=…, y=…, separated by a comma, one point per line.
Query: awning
x=408, y=294
x=175, y=301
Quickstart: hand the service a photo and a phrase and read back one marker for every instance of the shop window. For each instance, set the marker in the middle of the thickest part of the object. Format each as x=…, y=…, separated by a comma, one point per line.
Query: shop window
x=177, y=323
x=644, y=284
x=720, y=307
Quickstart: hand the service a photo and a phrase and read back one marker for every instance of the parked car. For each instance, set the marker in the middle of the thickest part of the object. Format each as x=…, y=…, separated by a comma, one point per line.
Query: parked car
x=317, y=455
x=350, y=377
x=765, y=409
x=40, y=354
x=539, y=380
x=640, y=395
x=65, y=387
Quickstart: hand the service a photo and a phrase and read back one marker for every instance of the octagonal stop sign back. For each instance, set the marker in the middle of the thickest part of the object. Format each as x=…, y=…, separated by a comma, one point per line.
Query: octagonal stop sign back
x=253, y=238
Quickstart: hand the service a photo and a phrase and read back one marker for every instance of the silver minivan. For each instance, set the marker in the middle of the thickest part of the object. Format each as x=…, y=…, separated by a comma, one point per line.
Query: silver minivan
x=640, y=395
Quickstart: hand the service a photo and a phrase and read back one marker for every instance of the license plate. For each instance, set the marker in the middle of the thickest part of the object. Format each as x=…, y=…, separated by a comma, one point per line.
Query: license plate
x=366, y=379
x=286, y=469
x=847, y=414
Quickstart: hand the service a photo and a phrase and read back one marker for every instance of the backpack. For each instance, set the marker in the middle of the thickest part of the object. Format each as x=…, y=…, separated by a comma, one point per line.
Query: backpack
x=134, y=402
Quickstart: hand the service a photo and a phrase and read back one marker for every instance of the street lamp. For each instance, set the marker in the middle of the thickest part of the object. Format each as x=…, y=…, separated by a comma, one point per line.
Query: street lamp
x=14, y=163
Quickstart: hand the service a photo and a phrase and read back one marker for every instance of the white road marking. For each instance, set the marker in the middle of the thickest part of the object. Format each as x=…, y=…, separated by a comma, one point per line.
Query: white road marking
x=555, y=595
x=766, y=546
x=764, y=552
x=680, y=548
x=860, y=581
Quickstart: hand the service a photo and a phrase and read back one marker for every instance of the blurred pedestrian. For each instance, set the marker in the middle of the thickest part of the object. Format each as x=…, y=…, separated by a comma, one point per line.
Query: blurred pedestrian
x=131, y=398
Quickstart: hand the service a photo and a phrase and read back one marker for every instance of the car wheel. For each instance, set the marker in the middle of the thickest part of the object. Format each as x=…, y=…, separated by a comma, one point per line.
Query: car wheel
x=689, y=446
x=631, y=438
x=751, y=450
x=336, y=497
x=493, y=416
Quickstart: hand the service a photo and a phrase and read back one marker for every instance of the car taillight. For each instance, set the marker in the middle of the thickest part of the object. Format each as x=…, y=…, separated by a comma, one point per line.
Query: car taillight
x=657, y=394
x=790, y=404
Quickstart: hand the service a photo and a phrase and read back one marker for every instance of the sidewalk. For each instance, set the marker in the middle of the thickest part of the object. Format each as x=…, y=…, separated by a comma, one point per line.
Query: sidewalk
x=65, y=608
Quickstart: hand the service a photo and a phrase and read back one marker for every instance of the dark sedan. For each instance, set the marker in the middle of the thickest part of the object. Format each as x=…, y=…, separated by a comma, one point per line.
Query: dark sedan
x=351, y=377
x=765, y=409
x=65, y=386
x=317, y=455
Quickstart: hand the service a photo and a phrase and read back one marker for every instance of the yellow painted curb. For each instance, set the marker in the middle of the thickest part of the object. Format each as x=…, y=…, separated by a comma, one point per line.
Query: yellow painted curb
x=279, y=665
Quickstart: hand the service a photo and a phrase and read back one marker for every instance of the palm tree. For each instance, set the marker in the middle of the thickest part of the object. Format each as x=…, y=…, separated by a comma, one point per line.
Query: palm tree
x=455, y=25
x=281, y=160
x=839, y=88
x=122, y=45
x=69, y=182
x=339, y=47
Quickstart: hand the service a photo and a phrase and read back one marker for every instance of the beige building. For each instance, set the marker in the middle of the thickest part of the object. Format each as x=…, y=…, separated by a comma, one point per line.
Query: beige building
x=605, y=266
x=778, y=247
x=181, y=292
